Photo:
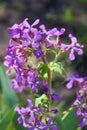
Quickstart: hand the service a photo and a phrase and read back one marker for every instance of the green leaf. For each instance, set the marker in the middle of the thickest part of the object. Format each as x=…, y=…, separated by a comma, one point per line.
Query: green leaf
x=70, y=120
x=10, y=95
x=57, y=68
x=42, y=69
x=7, y=119
x=42, y=99
x=58, y=121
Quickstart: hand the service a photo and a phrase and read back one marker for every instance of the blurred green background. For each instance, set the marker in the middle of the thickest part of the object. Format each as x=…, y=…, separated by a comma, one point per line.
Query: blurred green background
x=53, y=13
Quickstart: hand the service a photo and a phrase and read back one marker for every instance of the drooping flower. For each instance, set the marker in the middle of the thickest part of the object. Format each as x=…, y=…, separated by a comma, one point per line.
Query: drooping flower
x=73, y=79
x=72, y=48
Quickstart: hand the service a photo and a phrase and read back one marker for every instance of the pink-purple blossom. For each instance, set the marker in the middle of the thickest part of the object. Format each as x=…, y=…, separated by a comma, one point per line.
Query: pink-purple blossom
x=72, y=48
x=28, y=116
x=74, y=80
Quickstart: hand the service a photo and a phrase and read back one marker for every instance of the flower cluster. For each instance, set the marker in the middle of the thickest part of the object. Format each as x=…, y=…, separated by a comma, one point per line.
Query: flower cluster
x=28, y=41
x=29, y=118
x=81, y=101
x=73, y=47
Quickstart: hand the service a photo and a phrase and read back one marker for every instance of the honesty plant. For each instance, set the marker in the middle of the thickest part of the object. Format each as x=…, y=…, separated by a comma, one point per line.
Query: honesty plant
x=28, y=41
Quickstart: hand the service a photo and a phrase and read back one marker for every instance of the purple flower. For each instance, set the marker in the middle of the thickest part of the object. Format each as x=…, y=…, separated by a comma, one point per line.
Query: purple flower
x=38, y=52
x=83, y=113
x=47, y=39
x=73, y=47
x=29, y=118
x=16, y=30
x=56, y=96
x=32, y=80
x=28, y=112
x=81, y=103
x=15, y=84
x=75, y=78
x=49, y=125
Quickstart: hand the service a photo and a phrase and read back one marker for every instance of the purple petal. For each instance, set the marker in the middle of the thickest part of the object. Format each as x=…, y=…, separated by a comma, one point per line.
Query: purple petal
x=52, y=31
x=24, y=24
x=70, y=84
x=73, y=39
x=36, y=22
x=30, y=102
x=26, y=43
x=19, y=120
x=32, y=117
x=79, y=51
x=50, y=120
x=78, y=112
x=56, y=96
x=42, y=27
x=82, y=123
x=54, y=127
x=17, y=109
x=25, y=122
x=71, y=55
x=62, y=30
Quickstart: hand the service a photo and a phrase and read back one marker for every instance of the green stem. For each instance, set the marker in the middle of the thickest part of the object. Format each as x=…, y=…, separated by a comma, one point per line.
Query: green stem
x=57, y=56
x=49, y=76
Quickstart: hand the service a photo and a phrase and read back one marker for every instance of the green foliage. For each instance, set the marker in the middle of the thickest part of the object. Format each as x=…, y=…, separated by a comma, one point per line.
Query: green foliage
x=41, y=100
x=8, y=99
x=19, y=6
x=15, y=123
x=42, y=69
x=3, y=5
x=51, y=16
x=82, y=2
x=58, y=121
x=10, y=96
x=57, y=68
x=7, y=119
x=67, y=14
x=70, y=120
